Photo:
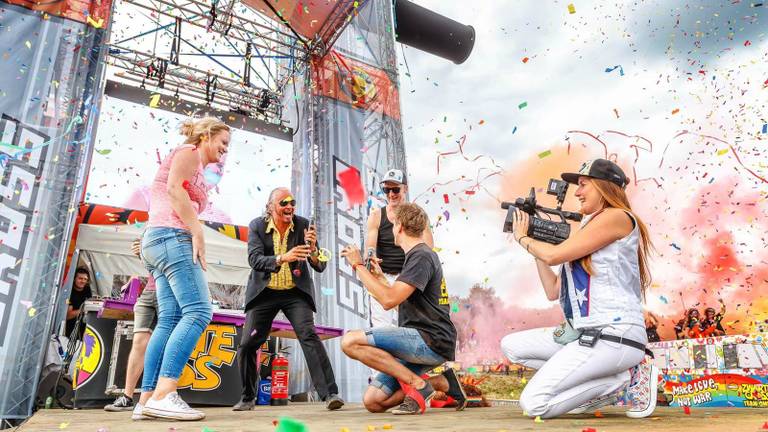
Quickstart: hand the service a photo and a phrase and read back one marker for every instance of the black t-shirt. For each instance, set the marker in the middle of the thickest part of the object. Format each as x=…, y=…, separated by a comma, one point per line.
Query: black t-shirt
x=76, y=300
x=428, y=308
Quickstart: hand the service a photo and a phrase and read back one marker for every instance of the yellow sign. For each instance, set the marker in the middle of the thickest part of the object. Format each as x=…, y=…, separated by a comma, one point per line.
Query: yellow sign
x=216, y=347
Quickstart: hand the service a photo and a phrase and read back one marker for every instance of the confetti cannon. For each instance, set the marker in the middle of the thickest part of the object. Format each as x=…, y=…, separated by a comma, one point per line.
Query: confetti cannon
x=428, y=31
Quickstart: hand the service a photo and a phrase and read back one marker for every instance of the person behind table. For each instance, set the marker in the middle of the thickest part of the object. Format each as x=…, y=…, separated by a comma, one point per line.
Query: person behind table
x=712, y=325
x=601, y=286
x=144, y=321
x=693, y=323
x=280, y=245
x=81, y=291
x=425, y=337
x=652, y=327
x=173, y=251
x=379, y=237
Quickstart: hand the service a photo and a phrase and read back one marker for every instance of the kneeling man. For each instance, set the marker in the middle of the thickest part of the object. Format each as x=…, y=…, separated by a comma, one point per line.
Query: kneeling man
x=425, y=337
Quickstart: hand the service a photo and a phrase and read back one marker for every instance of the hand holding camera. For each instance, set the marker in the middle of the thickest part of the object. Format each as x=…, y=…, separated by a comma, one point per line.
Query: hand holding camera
x=535, y=226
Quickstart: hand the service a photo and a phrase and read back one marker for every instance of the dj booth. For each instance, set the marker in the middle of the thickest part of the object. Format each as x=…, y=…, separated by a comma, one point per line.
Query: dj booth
x=210, y=377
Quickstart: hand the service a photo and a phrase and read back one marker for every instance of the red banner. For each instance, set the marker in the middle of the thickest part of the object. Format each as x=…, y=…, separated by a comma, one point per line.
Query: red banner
x=355, y=83
x=92, y=12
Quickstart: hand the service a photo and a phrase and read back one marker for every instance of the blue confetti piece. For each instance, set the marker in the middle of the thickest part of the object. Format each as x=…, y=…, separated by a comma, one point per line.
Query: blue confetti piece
x=328, y=291
x=211, y=177
x=711, y=180
x=611, y=69
x=675, y=246
x=663, y=299
x=617, y=319
x=514, y=130
x=765, y=128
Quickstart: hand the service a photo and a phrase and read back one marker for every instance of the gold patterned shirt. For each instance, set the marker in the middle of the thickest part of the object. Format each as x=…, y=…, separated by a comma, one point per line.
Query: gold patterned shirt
x=283, y=279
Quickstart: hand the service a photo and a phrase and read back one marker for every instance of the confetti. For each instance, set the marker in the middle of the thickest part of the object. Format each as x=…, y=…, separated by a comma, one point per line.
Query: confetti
x=94, y=23
x=687, y=410
x=31, y=312
x=722, y=152
x=544, y=154
x=328, y=291
x=63, y=425
x=103, y=152
x=522, y=105
x=538, y=420
x=350, y=182
x=599, y=414
x=525, y=59
x=571, y=9
x=663, y=300
x=445, y=198
x=675, y=111
x=765, y=128
x=611, y=69
x=154, y=101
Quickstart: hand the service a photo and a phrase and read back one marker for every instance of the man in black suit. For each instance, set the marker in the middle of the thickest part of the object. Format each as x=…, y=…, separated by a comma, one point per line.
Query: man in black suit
x=280, y=245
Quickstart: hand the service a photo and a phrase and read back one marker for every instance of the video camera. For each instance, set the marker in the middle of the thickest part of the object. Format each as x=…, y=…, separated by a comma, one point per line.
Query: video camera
x=543, y=229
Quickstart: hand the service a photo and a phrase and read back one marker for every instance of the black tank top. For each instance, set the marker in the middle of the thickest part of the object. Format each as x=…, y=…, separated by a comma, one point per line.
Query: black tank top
x=392, y=256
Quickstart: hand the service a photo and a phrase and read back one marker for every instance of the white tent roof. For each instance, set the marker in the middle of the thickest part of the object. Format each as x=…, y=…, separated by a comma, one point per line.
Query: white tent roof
x=107, y=251
x=117, y=239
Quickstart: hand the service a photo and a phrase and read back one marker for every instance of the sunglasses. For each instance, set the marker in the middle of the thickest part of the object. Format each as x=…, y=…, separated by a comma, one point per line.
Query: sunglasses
x=286, y=202
x=387, y=190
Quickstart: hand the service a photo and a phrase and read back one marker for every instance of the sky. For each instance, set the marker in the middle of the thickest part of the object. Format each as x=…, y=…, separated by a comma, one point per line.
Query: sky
x=676, y=91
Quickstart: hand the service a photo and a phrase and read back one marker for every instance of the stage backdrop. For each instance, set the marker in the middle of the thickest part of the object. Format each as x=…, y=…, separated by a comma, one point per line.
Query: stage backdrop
x=49, y=101
x=350, y=125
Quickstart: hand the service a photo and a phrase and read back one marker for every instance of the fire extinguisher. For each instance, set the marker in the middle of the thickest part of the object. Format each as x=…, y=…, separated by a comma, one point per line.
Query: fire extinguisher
x=279, y=380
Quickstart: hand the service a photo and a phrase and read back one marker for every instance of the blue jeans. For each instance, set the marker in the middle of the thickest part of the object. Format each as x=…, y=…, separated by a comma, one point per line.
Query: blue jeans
x=408, y=347
x=184, y=306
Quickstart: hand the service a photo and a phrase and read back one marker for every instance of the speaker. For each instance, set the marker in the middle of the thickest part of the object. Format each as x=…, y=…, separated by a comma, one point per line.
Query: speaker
x=431, y=32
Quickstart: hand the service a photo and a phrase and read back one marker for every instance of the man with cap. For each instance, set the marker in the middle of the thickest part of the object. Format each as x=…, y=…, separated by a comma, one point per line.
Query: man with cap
x=380, y=241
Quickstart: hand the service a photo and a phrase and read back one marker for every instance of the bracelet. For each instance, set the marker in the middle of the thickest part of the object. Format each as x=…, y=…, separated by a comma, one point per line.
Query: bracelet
x=521, y=239
x=355, y=266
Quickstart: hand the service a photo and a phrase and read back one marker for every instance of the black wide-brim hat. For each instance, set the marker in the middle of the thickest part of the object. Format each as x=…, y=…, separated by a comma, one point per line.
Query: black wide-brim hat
x=602, y=169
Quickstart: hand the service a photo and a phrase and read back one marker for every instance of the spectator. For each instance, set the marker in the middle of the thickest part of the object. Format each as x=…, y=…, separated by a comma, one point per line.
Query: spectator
x=81, y=291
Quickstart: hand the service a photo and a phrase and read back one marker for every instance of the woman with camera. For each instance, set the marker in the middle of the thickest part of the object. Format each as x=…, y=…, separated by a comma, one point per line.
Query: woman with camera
x=588, y=361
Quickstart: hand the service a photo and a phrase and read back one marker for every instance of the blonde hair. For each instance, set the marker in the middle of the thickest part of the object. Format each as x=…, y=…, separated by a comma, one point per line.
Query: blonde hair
x=614, y=196
x=413, y=219
x=197, y=128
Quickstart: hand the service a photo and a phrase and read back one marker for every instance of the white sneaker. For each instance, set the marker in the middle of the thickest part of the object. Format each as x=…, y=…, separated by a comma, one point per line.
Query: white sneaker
x=642, y=390
x=598, y=402
x=171, y=407
x=138, y=412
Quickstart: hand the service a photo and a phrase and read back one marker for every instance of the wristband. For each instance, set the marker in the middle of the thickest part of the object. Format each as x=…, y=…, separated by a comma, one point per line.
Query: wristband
x=355, y=266
x=521, y=239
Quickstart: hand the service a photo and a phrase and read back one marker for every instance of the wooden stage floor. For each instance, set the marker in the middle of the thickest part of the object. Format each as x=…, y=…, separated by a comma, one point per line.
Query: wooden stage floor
x=353, y=417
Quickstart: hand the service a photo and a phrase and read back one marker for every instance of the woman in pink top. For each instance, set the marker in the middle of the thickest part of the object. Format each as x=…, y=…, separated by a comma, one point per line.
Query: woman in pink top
x=173, y=248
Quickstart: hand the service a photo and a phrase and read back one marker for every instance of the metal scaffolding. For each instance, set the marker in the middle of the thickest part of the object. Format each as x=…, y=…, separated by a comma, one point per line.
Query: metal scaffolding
x=246, y=70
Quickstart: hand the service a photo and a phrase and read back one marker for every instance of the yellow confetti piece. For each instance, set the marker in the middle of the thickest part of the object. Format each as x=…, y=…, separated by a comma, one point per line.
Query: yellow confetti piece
x=95, y=24
x=28, y=44
x=154, y=101
x=722, y=152
x=571, y=9
x=371, y=428
x=538, y=420
x=387, y=426
x=32, y=311
x=344, y=430
x=544, y=154
x=437, y=249
x=523, y=380
x=63, y=425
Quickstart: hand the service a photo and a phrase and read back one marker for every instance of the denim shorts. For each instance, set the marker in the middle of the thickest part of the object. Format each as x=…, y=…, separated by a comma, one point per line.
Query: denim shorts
x=408, y=347
x=145, y=312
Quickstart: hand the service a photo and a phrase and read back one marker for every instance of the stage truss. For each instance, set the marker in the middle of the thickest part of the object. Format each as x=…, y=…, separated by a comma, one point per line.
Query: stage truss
x=219, y=56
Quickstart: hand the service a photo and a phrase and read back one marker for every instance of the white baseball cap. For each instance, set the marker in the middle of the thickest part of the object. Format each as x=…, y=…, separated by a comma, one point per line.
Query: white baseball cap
x=394, y=175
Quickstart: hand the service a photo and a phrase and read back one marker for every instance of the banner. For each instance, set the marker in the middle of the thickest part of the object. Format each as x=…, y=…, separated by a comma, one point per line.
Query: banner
x=349, y=118
x=49, y=105
x=727, y=371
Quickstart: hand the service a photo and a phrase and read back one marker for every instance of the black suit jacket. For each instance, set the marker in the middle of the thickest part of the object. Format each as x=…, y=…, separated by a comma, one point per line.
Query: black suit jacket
x=262, y=260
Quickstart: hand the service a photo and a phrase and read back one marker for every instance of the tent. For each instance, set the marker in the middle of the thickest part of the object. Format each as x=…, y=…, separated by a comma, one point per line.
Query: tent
x=106, y=249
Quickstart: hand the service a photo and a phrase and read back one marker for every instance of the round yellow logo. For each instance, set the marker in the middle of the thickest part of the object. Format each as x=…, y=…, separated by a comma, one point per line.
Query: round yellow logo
x=91, y=355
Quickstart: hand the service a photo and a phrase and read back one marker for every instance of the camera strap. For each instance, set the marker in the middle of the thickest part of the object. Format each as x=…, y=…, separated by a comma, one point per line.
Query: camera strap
x=627, y=342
